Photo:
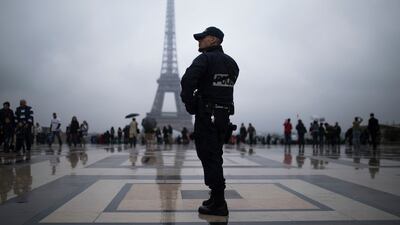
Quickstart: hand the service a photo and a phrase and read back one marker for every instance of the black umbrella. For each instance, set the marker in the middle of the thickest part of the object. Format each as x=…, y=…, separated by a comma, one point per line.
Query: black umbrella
x=131, y=115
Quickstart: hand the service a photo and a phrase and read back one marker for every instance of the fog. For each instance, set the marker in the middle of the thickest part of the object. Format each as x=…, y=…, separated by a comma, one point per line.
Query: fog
x=99, y=60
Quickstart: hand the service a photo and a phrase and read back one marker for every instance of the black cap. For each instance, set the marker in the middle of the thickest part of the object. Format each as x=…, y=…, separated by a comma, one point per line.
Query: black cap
x=213, y=31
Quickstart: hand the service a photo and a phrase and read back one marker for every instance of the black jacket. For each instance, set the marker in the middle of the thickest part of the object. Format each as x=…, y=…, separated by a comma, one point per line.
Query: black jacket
x=6, y=118
x=301, y=129
x=74, y=127
x=373, y=125
x=213, y=74
x=24, y=114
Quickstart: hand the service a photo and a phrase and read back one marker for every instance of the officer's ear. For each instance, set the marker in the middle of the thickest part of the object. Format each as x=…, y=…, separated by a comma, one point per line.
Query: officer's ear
x=215, y=40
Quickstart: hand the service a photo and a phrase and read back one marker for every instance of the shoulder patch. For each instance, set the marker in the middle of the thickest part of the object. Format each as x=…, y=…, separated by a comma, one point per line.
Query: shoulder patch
x=222, y=80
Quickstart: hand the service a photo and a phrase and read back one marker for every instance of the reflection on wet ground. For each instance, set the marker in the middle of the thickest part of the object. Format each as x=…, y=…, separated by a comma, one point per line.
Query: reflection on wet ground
x=264, y=184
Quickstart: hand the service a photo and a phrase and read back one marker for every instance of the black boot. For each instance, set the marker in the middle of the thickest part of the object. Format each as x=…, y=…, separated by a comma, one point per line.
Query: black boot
x=216, y=208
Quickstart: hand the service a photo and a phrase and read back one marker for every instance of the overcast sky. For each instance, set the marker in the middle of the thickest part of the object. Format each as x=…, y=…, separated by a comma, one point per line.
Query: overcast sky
x=99, y=60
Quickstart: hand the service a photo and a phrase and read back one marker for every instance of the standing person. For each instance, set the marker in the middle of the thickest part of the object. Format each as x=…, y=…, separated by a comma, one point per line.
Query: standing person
x=7, y=125
x=126, y=134
x=321, y=135
x=24, y=115
x=149, y=125
x=338, y=132
x=268, y=140
x=83, y=132
x=357, y=132
x=74, y=130
x=314, y=129
x=348, y=136
x=119, y=133
x=158, y=136
x=329, y=134
x=37, y=130
x=207, y=92
x=243, y=133
x=170, y=133
x=251, y=131
x=373, y=129
x=185, y=137
x=55, y=129
x=301, y=131
x=107, y=137
x=288, y=132
x=165, y=135
x=133, y=131
x=112, y=133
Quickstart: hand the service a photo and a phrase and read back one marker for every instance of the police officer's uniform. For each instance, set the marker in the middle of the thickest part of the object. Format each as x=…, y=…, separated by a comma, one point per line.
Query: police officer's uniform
x=207, y=91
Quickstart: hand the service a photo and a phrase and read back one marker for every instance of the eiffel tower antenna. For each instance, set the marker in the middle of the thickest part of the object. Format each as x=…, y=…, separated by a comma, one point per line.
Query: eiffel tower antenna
x=169, y=81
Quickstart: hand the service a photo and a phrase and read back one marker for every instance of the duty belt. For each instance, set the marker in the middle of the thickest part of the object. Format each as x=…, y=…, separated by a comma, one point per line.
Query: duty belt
x=213, y=106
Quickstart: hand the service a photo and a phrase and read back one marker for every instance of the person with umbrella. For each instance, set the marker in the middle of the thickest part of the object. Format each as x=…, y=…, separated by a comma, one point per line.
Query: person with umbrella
x=149, y=125
x=133, y=129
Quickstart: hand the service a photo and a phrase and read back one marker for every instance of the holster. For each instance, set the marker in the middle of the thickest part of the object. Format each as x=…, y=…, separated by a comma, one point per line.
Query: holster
x=209, y=107
x=215, y=109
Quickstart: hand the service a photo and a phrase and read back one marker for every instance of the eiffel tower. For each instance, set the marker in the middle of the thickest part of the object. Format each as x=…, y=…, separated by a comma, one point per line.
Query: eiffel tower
x=169, y=81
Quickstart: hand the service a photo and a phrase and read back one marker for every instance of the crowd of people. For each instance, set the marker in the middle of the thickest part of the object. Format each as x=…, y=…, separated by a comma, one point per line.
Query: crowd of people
x=75, y=132
x=127, y=135
x=322, y=133
x=18, y=130
x=131, y=134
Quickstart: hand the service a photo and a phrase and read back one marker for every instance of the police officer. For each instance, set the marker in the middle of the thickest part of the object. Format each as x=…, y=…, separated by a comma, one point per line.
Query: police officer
x=373, y=129
x=207, y=92
x=24, y=115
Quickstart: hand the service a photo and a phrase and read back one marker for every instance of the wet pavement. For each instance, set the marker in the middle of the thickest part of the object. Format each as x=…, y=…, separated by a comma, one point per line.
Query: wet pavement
x=164, y=185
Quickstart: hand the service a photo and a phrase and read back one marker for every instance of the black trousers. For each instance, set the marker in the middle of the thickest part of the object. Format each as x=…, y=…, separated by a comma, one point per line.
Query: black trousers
x=251, y=139
x=75, y=138
x=8, y=137
x=209, y=139
x=301, y=141
x=374, y=140
x=28, y=137
x=315, y=139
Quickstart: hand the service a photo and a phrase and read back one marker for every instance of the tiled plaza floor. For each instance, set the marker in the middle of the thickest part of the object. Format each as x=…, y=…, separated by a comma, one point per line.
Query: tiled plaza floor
x=164, y=185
